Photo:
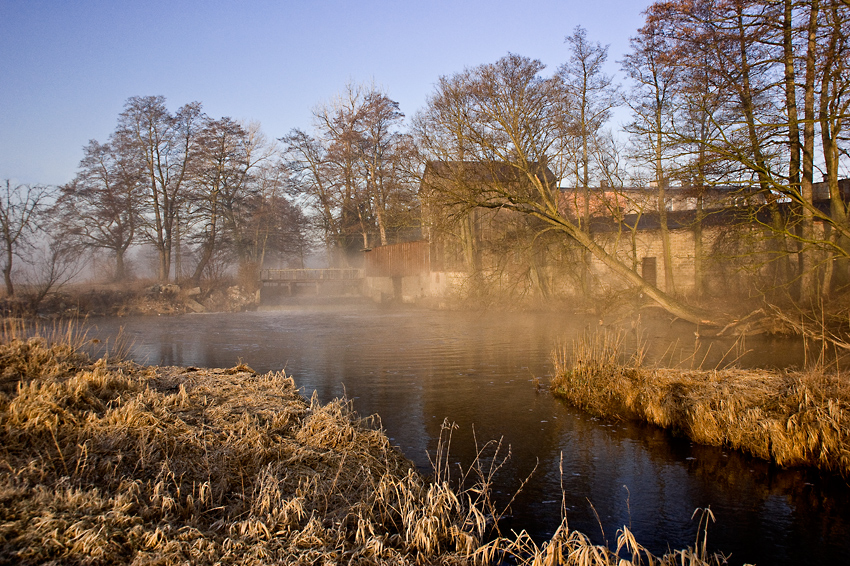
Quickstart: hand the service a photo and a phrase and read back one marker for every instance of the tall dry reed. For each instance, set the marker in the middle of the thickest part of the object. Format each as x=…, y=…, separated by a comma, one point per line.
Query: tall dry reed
x=790, y=417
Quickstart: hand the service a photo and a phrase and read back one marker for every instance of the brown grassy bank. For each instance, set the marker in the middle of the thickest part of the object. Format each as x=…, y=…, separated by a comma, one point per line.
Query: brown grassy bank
x=793, y=418
x=108, y=462
x=131, y=298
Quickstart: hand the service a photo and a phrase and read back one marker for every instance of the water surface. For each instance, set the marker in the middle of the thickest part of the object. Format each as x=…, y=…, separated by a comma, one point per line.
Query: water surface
x=417, y=369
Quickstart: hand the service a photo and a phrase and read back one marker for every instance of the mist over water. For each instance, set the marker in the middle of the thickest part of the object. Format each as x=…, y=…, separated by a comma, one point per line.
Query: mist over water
x=416, y=369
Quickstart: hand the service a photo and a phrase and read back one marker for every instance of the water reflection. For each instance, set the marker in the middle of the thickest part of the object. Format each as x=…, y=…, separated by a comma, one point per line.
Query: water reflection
x=417, y=368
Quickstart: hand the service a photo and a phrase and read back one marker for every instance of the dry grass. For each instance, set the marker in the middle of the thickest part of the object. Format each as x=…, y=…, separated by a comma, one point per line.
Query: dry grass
x=792, y=418
x=573, y=548
x=108, y=462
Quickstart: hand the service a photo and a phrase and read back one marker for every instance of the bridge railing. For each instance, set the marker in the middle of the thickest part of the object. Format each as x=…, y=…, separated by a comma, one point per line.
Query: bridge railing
x=348, y=274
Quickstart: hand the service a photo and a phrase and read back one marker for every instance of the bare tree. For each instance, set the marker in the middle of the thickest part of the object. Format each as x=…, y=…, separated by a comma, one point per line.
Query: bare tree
x=340, y=128
x=354, y=171
x=442, y=131
x=655, y=81
x=307, y=162
x=53, y=264
x=380, y=152
x=19, y=206
x=268, y=226
x=226, y=154
x=508, y=111
x=165, y=145
x=592, y=95
x=101, y=207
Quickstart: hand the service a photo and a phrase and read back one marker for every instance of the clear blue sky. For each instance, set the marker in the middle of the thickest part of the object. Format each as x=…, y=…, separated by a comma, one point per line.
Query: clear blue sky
x=67, y=67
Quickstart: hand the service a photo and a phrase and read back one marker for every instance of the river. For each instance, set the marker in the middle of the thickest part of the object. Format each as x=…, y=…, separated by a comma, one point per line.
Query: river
x=417, y=369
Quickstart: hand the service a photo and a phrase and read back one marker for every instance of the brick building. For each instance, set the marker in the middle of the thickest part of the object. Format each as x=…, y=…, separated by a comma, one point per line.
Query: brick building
x=720, y=242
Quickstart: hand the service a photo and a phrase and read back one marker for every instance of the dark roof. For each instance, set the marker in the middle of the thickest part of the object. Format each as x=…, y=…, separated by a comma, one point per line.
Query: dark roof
x=676, y=220
x=673, y=189
x=820, y=190
x=485, y=172
x=686, y=219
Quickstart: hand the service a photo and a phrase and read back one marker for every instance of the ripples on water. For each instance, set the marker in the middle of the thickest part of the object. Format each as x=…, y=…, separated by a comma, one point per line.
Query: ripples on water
x=417, y=368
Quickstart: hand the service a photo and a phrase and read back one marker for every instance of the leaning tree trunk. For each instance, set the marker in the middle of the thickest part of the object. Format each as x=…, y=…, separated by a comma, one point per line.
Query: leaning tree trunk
x=665, y=301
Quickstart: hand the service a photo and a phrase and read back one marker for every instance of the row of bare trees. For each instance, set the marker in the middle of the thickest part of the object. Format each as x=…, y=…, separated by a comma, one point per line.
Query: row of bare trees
x=754, y=92
x=202, y=191
x=180, y=181
x=357, y=172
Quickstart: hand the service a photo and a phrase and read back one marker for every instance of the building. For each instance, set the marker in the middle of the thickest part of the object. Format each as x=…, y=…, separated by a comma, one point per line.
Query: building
x=720, y=238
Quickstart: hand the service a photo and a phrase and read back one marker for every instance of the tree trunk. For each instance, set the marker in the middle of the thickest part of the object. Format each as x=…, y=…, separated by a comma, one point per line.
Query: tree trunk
x=120, y=270
x=832, y=109
x=206, y=256
x=164, y=263
x=470, y=244
x=382, y=230
x=667, y=302
x=791, y=95
x=7, y=272
x=699, y=252
x=829, y=268
x=808, y=278
x=178, y=252
x=667, y=250
x=208, y=249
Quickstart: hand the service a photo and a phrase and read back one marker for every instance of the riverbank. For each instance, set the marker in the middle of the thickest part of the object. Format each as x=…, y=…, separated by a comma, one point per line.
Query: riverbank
x=789, y=417
x=136, y=298
x=109, y=462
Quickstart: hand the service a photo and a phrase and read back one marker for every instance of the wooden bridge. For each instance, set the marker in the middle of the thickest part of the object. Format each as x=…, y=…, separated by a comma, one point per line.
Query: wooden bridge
x=288, y=281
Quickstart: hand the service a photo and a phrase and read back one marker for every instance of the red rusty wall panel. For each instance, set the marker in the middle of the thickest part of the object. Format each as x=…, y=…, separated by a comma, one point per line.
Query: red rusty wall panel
x=398, y=260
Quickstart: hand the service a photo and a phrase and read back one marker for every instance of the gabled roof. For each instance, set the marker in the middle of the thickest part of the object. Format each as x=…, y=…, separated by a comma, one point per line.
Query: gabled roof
x=484, y=171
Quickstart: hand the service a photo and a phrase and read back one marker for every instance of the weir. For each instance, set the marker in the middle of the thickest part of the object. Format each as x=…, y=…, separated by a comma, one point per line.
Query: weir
x=394, y=273
x=276, y=283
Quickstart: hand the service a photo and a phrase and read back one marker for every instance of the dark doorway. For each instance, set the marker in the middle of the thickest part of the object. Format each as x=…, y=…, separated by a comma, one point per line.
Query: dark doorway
x=649, y=271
